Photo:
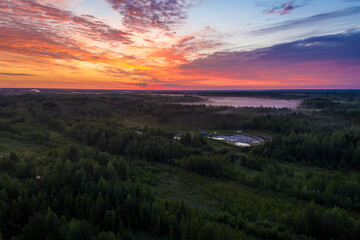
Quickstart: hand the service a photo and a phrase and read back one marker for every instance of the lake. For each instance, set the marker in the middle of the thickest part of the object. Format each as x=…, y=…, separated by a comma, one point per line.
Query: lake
x=240, y=140
x=248, y=102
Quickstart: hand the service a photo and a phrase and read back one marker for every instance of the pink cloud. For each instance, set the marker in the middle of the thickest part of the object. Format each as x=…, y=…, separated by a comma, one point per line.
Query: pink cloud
x=142, y=15
x=283, y=9
x=27, y=17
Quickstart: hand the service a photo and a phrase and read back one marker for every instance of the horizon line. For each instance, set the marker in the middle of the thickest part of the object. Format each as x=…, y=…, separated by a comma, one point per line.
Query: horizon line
x=186, y=90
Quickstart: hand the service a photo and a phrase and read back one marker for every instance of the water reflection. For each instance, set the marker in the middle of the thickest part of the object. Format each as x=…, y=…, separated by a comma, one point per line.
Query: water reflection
x=240, y=140
x=249, y=102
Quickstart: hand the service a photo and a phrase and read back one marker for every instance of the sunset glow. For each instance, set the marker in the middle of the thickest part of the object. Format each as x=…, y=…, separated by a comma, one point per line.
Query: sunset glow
x=179, y=44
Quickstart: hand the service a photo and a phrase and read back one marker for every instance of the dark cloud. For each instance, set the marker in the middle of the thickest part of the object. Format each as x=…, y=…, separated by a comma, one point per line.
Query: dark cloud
x=196, y=43
x=309, y=20
x=118, y=72
x=283, y=9
x=343, y=48
x=142, y=15
x=16, y=74
x=332, y=59
x=141, y=85
x=173, y=85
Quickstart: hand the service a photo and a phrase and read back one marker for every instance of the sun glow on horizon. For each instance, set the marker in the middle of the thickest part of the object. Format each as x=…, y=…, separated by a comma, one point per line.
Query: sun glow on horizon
x=157, y=45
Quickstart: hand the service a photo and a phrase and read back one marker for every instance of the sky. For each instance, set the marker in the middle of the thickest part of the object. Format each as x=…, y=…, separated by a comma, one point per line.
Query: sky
x=180, y=44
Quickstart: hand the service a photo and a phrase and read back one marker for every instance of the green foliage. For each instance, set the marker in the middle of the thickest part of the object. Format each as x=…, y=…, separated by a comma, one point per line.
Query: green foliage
x=339, y=149
x=214, y=166
x=325, y=224
x=109, y=167
x=319, y=103
x=79, y=230
x=43, y=226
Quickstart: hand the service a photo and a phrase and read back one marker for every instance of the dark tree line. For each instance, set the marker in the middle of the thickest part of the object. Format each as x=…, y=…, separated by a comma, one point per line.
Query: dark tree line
x=340, y=149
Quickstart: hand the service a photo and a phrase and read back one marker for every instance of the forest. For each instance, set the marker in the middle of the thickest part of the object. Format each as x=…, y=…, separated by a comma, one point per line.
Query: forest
x=134, y=165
